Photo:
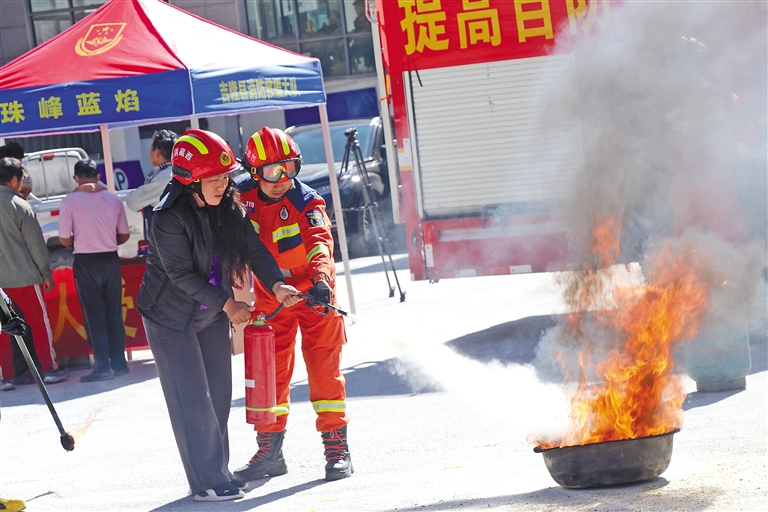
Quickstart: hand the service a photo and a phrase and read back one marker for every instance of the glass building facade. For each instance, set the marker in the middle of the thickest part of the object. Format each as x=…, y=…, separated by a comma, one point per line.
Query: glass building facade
x=337, y=32
x=49, y=17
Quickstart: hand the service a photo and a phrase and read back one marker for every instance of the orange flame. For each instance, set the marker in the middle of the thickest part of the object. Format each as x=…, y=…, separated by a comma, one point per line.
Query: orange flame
x=79, y=432
x=637, y=393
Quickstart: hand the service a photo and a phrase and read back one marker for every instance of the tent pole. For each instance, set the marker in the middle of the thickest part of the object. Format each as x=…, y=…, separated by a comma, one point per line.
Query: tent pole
x=387, y=122
x=194, y=122
x=342, y=233
x=108, y=169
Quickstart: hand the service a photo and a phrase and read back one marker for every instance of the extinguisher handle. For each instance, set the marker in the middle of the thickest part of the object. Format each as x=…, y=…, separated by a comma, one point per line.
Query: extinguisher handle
x=310, y=300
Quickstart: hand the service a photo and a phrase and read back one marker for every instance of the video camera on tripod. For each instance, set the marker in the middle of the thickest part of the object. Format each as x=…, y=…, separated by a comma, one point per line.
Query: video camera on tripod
x=370, y=208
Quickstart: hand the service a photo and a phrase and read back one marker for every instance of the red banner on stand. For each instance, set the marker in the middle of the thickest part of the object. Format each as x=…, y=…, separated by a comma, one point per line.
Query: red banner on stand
x=66, y=318
x=422, y=34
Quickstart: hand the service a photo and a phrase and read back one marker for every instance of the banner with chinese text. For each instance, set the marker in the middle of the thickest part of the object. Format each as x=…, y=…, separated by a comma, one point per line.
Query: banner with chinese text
x=66, y=318
x=421, y=34
x=134, y=62
x=87, y=105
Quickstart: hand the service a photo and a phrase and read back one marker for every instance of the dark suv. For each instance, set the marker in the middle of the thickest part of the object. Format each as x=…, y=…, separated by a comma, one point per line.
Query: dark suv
x=314, y=172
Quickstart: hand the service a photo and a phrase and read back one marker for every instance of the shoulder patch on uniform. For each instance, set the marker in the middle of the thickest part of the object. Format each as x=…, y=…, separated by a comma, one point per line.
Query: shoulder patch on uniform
x=315, y=218
x=301, y=195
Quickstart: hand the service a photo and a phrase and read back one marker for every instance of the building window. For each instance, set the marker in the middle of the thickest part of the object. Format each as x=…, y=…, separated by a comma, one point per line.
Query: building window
x=50, y=17
x=336, y=32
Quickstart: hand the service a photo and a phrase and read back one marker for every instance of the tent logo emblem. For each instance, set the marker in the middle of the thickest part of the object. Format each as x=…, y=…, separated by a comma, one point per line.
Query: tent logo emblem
x=100, y=38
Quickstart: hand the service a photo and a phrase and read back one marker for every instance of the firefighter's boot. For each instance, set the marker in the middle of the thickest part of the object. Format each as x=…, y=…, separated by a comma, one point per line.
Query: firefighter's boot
x=339, y=461
x=268, y=461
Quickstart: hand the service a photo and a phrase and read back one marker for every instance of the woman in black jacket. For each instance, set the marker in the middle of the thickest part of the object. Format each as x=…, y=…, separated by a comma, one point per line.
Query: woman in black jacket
x=201, y=243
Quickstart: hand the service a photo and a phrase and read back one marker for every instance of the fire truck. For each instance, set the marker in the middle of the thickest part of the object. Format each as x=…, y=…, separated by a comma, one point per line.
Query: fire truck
x=485, y=148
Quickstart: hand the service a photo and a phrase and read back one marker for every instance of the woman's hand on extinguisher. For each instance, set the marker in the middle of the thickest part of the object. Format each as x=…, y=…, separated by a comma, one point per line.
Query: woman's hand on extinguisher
x=286, y=294
x=238, y=312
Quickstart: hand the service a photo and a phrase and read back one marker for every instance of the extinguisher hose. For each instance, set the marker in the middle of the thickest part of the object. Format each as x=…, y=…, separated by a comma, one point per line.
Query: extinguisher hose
x=274, y=313
x=310, y=302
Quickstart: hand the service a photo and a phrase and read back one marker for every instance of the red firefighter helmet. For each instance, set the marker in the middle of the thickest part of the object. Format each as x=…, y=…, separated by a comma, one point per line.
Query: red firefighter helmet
x=199, y=154
x=273, y=155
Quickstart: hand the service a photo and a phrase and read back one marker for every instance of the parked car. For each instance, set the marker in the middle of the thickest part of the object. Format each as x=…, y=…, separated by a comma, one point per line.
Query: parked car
x=51, y=173
x=361, y=239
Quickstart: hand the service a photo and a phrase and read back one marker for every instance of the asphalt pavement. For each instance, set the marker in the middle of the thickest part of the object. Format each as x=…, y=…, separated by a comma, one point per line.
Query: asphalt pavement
x=441, y=402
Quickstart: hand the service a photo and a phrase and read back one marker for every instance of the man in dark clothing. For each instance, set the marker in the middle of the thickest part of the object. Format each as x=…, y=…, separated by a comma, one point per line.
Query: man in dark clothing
x=92, y=221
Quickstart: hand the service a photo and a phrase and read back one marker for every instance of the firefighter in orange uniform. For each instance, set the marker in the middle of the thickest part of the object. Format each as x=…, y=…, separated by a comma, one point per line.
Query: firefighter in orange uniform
x=291, y=221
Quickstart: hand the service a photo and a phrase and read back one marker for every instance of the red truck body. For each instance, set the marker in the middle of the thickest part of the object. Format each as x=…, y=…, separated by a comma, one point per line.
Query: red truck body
x=465, y=87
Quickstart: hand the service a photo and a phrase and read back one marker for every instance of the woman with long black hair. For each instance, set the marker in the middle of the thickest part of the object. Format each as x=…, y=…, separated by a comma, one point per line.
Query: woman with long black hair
x=200, y=245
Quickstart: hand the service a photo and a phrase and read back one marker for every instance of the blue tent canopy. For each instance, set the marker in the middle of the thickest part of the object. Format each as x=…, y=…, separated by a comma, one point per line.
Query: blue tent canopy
x=145, y=61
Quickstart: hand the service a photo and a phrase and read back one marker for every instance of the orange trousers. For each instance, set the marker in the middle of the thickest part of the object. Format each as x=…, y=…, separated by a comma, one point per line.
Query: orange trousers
x=321, y=341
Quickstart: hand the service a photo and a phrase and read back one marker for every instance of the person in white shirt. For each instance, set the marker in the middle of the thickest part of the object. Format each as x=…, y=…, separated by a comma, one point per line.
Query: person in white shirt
x=144, y=198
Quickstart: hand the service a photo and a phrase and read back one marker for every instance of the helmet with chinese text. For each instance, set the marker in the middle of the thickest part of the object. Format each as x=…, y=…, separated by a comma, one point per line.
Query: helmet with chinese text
x=200, y=154
x=273, y=151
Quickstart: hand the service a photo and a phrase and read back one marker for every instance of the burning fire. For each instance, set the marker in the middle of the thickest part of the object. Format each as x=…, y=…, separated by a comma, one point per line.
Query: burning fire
x=79, y=432
x=637, y=393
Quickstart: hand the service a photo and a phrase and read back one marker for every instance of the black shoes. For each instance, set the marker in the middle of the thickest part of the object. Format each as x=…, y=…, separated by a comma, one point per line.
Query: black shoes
x=339, y=461
x=268, y=461
x=55, y=376
x=120, y=371
x=24, y=379
x=96, y=376
x=223, y=492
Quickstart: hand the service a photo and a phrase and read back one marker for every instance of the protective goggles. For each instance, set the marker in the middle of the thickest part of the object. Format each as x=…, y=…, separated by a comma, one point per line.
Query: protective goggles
x=273, y=173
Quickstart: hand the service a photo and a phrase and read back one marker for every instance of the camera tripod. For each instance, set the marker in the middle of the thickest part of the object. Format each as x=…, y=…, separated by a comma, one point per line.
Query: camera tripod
x=371, y=207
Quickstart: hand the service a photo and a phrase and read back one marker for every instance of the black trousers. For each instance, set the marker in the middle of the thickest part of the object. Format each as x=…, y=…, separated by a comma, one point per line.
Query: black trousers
x=195, y=371
x=100, y=289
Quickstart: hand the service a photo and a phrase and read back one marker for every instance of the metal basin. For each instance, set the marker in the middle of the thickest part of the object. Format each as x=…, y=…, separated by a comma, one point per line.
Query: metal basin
x=609, y=463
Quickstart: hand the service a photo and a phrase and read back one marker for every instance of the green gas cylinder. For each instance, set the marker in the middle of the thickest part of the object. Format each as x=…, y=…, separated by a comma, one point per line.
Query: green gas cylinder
x=718, y=359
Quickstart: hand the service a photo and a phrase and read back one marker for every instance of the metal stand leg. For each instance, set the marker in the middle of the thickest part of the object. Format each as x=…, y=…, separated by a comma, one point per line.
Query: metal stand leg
x=371, y=208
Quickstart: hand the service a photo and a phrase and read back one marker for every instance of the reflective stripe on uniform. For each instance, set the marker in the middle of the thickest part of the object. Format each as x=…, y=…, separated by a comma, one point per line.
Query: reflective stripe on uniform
x=283, y=409
x=318, y=249
x=286, y=272
x=329, y=406
x=285, y=232
x=286, y=147
x=256, y=227
x=256, y=138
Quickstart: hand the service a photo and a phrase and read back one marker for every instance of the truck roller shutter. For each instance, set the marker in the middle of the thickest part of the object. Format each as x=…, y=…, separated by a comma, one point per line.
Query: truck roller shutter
x=494, y=134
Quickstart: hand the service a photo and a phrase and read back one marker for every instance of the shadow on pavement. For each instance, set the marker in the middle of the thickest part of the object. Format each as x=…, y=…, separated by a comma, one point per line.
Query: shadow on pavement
x=247, y=503
x=697, y=399
x=72, y=388
x=649, y=495
x=510, y=342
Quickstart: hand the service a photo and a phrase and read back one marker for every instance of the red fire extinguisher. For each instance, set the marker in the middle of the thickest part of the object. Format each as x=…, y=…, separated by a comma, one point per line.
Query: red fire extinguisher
x=259, y=348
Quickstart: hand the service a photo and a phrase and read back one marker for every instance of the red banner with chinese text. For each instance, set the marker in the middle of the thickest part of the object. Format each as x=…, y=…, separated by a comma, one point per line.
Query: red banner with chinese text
x=66, y=319
x=422, y=34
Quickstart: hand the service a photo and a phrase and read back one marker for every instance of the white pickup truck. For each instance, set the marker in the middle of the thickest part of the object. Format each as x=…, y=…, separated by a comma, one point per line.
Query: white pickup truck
x=51, y=173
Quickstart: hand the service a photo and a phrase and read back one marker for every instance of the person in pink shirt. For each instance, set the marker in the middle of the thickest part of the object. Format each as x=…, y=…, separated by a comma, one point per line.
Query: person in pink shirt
x=92, y=221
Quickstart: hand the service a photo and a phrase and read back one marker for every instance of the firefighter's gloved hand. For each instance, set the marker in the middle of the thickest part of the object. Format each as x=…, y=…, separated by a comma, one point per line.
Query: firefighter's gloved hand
x=15, y=326
x=321, y=292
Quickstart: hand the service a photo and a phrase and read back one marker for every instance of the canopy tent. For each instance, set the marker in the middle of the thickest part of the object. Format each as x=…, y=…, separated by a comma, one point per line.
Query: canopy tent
x=134, y=62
